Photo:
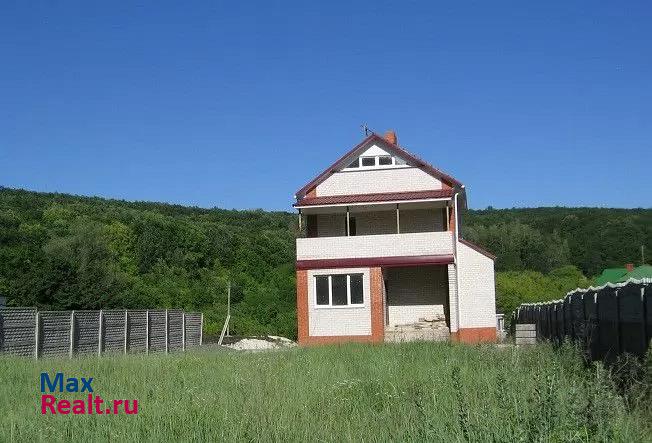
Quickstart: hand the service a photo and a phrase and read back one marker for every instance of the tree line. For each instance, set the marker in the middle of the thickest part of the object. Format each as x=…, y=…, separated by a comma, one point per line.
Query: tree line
x=60, y=251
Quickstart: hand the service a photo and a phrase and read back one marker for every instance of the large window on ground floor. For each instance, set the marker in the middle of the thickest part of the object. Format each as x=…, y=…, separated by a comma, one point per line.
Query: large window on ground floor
x=339, y=290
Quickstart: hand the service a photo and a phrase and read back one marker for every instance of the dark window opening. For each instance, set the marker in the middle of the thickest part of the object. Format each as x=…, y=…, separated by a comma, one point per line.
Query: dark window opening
x=356, y=289
x=385, y=160
x=368, y=161
x=339, y=290
x=322, y=290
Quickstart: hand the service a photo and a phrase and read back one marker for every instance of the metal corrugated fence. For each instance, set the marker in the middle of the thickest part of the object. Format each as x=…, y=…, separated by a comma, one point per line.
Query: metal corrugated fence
x=606, y=321
x=28, y=332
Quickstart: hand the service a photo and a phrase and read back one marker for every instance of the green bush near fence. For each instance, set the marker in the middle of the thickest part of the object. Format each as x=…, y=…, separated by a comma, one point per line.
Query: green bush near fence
x=408, y=392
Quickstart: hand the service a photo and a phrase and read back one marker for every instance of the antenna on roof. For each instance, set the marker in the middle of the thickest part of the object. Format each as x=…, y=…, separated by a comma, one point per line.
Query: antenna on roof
x=366, y=129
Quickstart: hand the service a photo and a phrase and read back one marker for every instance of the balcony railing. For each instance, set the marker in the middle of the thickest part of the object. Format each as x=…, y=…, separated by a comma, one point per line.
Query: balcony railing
x=362, y=246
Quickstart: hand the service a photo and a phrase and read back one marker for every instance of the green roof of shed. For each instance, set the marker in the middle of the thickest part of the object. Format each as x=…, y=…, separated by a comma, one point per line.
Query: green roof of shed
x=643, y=271
x=610, y=275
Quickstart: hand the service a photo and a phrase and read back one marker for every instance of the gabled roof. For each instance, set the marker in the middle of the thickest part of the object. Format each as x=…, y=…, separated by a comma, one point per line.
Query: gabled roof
x=392, y=148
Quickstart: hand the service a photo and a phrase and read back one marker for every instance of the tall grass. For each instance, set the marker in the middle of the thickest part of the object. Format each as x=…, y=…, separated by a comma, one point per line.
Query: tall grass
x=407, y=392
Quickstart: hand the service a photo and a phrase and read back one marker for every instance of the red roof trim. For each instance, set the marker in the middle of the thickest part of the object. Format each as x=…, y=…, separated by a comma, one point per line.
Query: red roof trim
x=416, y=260
x=478, y=248
x=397, y=150
x=380, y=197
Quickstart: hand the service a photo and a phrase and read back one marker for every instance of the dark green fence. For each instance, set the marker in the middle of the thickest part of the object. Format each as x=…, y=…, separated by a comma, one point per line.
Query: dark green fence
x=605, y=321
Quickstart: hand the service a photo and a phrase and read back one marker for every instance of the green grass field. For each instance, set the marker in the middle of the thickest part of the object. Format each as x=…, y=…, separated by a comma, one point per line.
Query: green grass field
x=409, y=392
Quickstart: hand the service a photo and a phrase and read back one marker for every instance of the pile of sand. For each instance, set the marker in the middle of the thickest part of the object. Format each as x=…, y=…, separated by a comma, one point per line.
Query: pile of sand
x=261, y=343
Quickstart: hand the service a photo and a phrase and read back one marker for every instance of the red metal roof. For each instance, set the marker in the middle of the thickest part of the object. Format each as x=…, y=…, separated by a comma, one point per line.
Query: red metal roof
x=372, y=198
x=416, y=260
x=341, y=162
x=478, y=248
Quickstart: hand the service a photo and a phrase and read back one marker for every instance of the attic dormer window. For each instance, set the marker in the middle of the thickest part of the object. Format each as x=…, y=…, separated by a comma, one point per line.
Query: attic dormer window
x=376, y=161
x=355, y=163
x=384, y=160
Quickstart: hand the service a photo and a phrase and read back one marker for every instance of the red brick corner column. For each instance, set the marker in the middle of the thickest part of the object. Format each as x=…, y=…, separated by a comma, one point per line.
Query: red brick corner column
x=377, y=305
x=475, y=335
x=302, y=307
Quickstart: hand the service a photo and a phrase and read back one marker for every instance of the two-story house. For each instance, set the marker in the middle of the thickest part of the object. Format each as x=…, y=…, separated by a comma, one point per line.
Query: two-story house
x=380, y=256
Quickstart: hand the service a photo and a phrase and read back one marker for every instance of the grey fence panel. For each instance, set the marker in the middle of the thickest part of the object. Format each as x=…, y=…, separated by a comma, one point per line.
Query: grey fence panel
x=17, y=326
x=86, y=332
x=193, y=329
x=113, y=331
x=157, y=330
x=26, y=332
x=137, y=331
x=54, y=333
x=175, y=330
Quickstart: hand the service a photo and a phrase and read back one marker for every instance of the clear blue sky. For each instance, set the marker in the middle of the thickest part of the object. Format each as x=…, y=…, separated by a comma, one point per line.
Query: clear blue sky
x=237, y=105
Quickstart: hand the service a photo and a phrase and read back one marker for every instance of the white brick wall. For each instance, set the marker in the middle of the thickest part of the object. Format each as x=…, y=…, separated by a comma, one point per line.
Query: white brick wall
x=415, y=292
x=391, y=245
x=382, y=222
x=332, y=321
x=421, y=220
x=477, y=290
x=378, y=181
x=331, y=225
x=452, y=297
x=375, y=222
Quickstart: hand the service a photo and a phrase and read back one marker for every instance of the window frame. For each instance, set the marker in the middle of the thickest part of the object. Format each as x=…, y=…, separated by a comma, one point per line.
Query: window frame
x=376, y=158
x=348, y=304
x=391, y=160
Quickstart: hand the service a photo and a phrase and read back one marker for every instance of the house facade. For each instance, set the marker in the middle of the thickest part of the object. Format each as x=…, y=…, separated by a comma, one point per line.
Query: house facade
x=380, y=258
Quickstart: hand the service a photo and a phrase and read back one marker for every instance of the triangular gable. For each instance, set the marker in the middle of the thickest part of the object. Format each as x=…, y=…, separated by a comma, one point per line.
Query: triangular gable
x=392, y=148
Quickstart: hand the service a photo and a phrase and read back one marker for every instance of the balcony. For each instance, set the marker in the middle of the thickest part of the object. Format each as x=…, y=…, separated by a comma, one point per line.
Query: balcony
x=376, y=246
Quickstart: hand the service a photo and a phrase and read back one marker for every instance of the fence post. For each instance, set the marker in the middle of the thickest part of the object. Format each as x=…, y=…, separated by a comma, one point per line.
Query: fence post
x=126, y=324
x=166, y=331
x=99, y=334
x=147, y=331
x=201, y=330
x=72, y=332
x=36, y=334
x=183, y=331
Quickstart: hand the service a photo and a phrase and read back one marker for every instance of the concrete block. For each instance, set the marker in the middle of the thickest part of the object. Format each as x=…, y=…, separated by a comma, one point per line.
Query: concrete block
x=526, y=327
x=526, y=334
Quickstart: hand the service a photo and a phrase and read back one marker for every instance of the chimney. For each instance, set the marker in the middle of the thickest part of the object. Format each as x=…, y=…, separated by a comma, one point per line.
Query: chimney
x=629, y=267
x=390, y=136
